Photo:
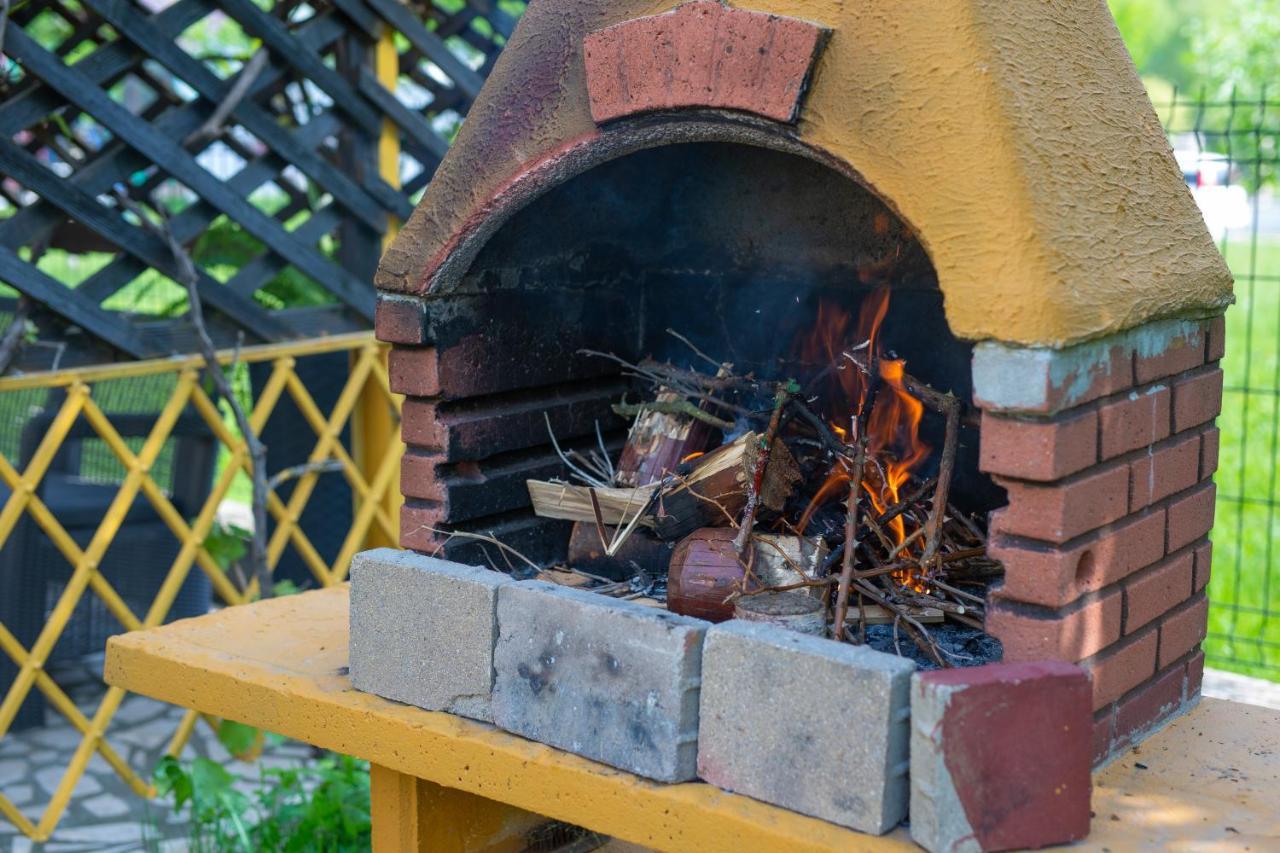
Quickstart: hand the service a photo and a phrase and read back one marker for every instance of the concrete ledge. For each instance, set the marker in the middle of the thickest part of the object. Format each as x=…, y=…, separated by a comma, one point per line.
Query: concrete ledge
x=605, y=679
x=423, y=631
x=1040, y=382
x=769, y=697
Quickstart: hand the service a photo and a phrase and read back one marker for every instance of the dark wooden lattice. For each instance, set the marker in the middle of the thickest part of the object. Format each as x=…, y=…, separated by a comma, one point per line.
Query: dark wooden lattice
x=280, y=203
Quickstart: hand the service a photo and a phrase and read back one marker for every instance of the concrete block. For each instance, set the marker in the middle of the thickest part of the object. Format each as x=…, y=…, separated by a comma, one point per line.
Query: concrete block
x=1000, y=756
x=605, y=679
x=805, y=723
x=423, y=631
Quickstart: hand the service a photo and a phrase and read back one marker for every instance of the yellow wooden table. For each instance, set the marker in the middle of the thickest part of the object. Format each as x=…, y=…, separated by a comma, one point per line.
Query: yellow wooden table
x=442, y=783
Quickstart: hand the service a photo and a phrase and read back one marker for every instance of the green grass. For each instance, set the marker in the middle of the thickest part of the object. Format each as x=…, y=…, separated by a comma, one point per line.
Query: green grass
x=1244, y=619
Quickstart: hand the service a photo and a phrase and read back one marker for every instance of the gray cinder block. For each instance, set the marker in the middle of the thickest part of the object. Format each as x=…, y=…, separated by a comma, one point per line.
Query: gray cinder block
x=805, y=723
x=423, y=630
x=609, y=680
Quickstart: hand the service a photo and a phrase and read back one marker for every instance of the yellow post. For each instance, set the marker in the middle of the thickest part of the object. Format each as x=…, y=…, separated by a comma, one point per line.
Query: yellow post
x=375, y=431
x=411, y=815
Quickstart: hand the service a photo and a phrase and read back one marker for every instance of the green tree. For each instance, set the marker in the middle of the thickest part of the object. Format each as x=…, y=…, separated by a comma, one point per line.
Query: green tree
x=1233, y=45
x=1154, y=32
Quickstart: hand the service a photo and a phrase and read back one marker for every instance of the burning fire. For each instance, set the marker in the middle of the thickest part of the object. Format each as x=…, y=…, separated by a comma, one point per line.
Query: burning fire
x=894, y=446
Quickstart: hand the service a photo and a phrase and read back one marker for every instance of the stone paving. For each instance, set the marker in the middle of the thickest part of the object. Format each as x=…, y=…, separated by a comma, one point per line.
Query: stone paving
x=104, y=813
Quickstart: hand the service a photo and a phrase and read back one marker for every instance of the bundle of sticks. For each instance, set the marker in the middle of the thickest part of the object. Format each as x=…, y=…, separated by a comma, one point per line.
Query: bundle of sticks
x=730, y=487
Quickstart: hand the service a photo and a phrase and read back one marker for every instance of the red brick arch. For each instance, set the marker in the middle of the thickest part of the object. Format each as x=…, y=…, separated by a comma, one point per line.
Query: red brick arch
x=702, y=55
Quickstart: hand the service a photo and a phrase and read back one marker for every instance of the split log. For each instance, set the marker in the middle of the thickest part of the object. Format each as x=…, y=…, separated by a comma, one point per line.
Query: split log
x=712, y=494
x=877, y=615
x=658, y=442
x=573, y=503
x=715, y=492
x=639, y=553
x=794, y=611
x=562, y=578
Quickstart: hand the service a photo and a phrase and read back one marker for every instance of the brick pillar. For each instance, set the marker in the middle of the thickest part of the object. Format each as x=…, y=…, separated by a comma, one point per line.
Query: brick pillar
x=483, y=375
x=1107, y=451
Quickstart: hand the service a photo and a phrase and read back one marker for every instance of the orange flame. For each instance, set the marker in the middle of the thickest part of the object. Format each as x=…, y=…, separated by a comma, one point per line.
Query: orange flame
x=833, y=342
x=894, y=446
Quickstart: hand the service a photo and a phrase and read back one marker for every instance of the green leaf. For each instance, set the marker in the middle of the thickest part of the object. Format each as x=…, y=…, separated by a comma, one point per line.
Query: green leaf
x=244, y=742
x=210, y=779
x=285, y=587
x=171, y=778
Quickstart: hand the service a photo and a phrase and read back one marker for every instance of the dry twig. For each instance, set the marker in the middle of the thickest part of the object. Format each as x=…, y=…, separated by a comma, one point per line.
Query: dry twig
x=850, y=541
x=186, y=274
x=784, y=392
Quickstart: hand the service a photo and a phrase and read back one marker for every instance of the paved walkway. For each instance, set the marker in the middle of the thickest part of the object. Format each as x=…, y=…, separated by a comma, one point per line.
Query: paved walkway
x=105, y=815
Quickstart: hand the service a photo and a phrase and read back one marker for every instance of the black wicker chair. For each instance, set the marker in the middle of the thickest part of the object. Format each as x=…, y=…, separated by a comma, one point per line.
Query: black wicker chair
x=79, y=486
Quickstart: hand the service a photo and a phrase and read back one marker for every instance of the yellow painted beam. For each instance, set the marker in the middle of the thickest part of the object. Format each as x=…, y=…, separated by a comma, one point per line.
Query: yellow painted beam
x=151, y=367
x=281, y=665
x=412, y=814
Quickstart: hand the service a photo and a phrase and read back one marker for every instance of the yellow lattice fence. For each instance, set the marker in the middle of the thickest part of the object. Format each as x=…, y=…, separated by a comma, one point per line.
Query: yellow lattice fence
x=365, y=405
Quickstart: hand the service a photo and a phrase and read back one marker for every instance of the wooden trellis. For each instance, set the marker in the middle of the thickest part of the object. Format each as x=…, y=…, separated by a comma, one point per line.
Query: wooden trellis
x=279, y=154
x=265, y=162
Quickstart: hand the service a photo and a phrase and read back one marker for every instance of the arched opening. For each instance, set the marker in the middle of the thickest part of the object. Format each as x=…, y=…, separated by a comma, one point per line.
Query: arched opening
x=756, y=256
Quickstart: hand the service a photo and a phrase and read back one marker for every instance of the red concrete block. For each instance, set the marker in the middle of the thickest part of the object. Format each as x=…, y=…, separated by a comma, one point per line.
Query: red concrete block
x=1138, y=419
x=1054, y=576
x=701, y=54
x=1039, y=450
x=1209, y=444
x=1204, y=557
x=1120, y=669
x=1000, y=756
x=1159, y=590
x=1066, y=509
x=1191, y=517
x=1216, y=345
x=414, y=371
x=399, y=320
x=1142, y=713
x=1164, y=471
x=1183, y=352
x=1182, y=631
x=1067, y=636
x=1195, y=675
x=1197, y=399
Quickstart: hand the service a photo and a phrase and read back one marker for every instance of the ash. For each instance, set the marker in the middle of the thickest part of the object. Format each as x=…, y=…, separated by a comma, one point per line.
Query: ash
x=961, y=645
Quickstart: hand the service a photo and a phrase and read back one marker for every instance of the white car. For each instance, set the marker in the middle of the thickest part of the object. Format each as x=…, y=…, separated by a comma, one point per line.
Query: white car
x=1223, y=204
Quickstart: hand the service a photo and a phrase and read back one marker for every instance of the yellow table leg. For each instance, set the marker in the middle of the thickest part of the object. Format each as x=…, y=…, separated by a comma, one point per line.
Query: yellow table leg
x=414, y=816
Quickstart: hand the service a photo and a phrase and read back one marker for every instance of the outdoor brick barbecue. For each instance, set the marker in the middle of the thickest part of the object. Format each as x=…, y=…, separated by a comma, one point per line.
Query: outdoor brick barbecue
x=991, y=170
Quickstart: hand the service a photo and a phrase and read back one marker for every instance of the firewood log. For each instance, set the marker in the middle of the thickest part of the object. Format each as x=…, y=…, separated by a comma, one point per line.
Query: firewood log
x=704, y=572
x=877, y=615
x=715, y=492
x=794, y=611
x=658, y=442
x=705, y=569
x=785, y=560
x=640, y=552
x=562, y=500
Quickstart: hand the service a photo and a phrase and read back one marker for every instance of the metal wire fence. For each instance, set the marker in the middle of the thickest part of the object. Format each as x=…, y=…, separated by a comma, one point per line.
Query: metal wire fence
x=1229, y=150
